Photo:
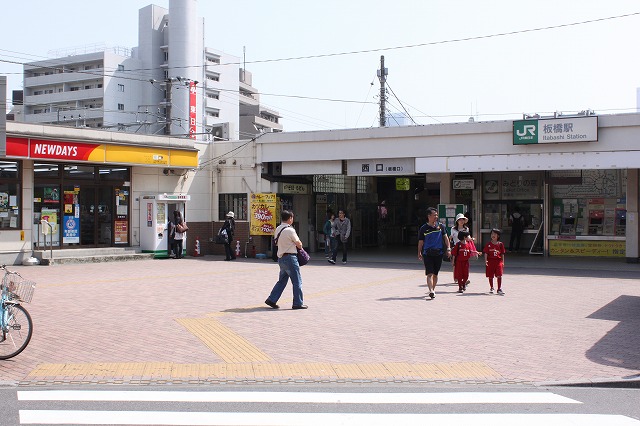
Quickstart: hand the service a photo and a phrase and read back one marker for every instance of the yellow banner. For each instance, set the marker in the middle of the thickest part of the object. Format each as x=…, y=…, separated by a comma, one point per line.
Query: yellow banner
x=153, y=156
x=587, y=248
x=263, y=210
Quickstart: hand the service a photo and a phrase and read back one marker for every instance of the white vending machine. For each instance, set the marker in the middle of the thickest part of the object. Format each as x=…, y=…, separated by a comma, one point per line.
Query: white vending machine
x=156, y=211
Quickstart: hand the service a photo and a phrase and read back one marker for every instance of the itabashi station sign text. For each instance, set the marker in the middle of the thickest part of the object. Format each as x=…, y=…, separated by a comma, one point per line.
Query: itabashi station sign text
x=555, y=130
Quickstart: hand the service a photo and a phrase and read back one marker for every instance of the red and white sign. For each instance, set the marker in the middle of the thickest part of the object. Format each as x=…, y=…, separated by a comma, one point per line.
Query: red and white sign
x=61, y=150
x=192, y=109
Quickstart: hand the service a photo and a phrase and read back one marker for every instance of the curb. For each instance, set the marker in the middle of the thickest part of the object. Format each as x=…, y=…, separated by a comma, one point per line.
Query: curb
x=616, y=382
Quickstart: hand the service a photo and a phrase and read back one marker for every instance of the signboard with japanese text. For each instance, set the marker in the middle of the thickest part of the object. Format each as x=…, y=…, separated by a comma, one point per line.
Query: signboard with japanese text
x=403, y=184
x=293, y=188
x=381, y=167
x=587, y=248
x=555, y=130
x=263, y=214
x=464, y=184
x=192, y=109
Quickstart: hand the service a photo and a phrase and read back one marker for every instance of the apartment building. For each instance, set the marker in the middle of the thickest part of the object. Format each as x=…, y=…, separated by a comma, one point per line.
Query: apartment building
x=149, y=89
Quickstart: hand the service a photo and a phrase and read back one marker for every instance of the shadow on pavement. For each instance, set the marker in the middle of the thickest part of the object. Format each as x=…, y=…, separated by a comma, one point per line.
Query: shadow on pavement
x=619, y=347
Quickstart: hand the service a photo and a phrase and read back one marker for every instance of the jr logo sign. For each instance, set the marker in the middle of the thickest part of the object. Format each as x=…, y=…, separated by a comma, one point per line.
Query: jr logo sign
x=525, y=132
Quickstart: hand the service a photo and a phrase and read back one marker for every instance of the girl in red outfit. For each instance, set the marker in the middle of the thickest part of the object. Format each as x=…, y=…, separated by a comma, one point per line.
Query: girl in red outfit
x=494, y=259
x=461, y=253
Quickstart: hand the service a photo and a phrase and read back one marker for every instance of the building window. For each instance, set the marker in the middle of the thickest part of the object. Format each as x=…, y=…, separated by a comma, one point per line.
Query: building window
x=10, y=208
x=213, y=77
x=166, y=74
x=215, y=60
x=120, y=67
x=166, y=56
x=236, y=203
x=74, y=89
x=120, y=107
x=37, y=92
x=213, y=113
x=120, y=87
x=213, y=95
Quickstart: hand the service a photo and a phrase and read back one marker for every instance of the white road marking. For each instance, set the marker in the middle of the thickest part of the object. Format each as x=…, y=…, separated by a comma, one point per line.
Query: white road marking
x=302, y=397
x=70, y=417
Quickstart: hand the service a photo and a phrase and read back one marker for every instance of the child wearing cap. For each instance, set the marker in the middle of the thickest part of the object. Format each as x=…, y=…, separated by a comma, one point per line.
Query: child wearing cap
x=460, y=255
x=494, y=260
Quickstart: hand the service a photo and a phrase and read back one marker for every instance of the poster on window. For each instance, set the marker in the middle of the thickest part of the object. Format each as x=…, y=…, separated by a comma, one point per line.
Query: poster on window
x=121, y=234
x=262, y=220
x=51, y=195
x=71, y=230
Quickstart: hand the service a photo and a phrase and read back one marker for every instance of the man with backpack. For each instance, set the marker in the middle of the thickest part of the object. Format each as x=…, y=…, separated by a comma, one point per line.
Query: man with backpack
x=433, y=245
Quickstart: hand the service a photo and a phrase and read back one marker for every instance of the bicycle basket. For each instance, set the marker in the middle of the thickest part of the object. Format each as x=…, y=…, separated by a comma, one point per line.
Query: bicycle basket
x=19, y=288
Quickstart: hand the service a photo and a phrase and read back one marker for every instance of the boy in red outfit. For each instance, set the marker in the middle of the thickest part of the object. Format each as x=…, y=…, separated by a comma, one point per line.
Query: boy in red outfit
x=494, y=260
x=461, y=253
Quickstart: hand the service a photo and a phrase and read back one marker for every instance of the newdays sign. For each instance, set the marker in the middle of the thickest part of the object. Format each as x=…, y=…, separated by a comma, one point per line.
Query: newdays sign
x=555, y=130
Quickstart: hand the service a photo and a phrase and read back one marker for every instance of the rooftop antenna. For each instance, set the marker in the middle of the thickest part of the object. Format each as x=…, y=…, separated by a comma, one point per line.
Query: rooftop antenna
x=244, y=62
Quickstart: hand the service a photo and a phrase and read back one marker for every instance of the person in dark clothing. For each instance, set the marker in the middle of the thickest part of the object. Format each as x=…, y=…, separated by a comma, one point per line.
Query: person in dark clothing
x=230, y=227
x=178, y=236
x=517, y=228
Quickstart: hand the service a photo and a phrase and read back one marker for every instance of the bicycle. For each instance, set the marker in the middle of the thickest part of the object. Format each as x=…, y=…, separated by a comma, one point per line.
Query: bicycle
x=16, y=326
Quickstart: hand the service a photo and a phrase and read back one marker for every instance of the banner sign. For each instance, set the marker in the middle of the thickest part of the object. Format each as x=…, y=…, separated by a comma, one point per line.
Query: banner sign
x=573, y=129
x=587, y=248
x=192, y=109
x=263, y=219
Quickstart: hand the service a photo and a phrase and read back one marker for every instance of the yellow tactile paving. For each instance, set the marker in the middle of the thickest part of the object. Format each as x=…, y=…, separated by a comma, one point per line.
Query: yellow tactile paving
x=227, y=344
x=266, y=370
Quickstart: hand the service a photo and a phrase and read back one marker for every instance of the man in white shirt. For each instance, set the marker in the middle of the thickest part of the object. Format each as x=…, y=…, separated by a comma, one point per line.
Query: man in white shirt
x=288, y=244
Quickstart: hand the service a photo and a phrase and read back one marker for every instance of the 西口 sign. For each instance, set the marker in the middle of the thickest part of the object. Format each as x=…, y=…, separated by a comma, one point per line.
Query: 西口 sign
x=555, y=130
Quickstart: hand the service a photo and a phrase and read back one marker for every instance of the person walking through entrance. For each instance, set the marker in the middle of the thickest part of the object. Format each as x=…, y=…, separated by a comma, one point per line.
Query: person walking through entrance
x=288, y=244
x=178, y=230
x=517, y=228
x=327, y=230
x=433, y=244
x=229, y=226
x=341, y=233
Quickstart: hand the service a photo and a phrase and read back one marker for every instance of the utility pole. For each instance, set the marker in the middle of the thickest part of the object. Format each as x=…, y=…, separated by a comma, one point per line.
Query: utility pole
x=382, y=75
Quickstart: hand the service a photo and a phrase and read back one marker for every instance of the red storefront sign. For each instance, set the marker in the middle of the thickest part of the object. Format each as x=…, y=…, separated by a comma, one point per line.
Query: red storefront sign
x=192, y=109
x=50, y=149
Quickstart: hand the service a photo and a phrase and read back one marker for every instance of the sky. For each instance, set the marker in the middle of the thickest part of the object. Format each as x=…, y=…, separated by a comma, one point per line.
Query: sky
x=447, y=60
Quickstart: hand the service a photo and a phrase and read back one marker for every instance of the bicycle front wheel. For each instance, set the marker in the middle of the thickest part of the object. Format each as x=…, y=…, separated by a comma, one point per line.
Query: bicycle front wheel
x=17, y=332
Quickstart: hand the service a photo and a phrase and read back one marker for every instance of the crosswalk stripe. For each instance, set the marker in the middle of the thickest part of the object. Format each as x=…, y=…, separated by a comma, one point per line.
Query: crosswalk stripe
x=314, y=419
x=301, y=397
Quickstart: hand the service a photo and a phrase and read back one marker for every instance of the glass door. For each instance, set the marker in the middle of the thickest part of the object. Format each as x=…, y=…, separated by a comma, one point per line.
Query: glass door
x=95, y=215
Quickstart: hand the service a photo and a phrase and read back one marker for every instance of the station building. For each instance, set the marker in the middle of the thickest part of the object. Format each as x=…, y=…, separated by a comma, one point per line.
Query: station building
x=575, y=180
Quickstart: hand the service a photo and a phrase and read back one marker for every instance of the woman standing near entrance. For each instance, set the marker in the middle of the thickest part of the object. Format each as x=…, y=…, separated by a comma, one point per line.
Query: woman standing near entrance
x=178, y=225
x=230, y=227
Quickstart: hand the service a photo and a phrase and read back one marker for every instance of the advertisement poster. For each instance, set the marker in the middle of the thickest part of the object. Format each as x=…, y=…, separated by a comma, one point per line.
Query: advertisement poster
x=71, y=230
x=51, y=195
x=263, y=214
x=51, y=216
x=121, y=234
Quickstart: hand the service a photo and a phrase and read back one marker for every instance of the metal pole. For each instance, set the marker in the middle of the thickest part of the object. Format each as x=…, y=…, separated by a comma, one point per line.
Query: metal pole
x=382, y=75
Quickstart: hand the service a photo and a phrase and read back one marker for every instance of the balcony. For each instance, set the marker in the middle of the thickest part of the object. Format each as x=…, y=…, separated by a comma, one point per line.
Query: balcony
x=60, y=97
x=64, y=77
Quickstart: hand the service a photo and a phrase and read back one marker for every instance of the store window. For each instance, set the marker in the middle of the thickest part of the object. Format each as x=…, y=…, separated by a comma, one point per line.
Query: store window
x=236, y=203
x=10, y=195
x=588, y=203
x=503, y=193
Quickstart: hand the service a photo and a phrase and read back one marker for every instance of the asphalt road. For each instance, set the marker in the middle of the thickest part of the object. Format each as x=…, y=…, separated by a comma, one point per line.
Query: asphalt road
x=321, y=404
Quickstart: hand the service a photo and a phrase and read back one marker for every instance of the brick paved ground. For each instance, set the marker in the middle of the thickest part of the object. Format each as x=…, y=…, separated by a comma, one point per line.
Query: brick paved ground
x=203, y=319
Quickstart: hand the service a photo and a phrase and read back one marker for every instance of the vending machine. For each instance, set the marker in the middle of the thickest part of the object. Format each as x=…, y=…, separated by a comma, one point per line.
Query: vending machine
x=156, y=211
